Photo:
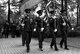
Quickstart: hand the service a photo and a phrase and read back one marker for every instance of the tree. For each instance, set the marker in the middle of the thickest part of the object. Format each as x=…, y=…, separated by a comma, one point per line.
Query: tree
x=2, y=15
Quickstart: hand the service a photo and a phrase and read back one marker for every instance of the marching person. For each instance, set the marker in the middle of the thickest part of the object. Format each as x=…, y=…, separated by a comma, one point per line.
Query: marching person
x=53, y=26
x=27, y=30
x=40, y=13
x=53, y=31
x=64, y=23
x=40, y=29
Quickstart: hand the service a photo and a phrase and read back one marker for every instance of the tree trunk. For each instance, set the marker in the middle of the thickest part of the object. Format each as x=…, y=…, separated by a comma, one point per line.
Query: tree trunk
x=62, y=5
x=9, y=11
x=66, y=6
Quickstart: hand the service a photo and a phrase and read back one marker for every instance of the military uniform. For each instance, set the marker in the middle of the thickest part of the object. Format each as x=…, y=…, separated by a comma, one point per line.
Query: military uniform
x=53, y=33
x=63, y=28
x=40, y=27
x=27, y=31
x=40, y=34
x=52, y=25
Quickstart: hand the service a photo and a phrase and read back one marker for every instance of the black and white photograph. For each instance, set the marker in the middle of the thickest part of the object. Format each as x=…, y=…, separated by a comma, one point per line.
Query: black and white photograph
x=39, y=26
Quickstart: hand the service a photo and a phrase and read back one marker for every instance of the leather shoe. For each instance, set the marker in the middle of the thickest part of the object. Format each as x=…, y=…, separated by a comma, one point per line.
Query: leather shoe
x=56, y=49
x=41, y=49
x=66, y=48
x=27, y=51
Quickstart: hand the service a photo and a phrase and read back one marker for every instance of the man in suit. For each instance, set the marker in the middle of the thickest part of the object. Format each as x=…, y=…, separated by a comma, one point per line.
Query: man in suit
x=64, y=23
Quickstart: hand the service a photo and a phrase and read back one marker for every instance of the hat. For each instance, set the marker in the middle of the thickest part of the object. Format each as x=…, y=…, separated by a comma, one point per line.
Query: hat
x=40, y=12
x=27, y=10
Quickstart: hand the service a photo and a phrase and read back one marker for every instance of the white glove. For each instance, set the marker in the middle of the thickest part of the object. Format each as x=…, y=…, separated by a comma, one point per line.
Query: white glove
x=22, y=24
x=55, y=30
x=22, y=15
x=72, y=28
x=64, y=24
x=54, y=17
x=34, y=29
x=42, y=29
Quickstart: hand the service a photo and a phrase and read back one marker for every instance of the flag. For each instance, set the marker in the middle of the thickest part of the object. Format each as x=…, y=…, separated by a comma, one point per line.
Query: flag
x=28, y=4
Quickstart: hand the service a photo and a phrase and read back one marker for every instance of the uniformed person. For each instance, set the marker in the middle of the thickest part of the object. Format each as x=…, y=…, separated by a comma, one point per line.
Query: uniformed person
x=27, y=31
x=53, y=31
x=52, y=24
x=40, y=30
x=40, y=13
x=64, y=23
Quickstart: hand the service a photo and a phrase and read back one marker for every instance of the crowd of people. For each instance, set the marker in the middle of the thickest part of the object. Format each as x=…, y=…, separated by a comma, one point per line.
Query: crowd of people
x=13, y=29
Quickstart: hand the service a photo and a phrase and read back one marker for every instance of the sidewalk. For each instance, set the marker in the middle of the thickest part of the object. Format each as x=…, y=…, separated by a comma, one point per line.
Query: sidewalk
x=13, y=46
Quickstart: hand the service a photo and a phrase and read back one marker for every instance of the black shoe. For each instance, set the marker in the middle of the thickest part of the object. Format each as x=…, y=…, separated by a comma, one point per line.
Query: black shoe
x=41, y=49
x=27, y=51
x=56, y=49
x=66, y=48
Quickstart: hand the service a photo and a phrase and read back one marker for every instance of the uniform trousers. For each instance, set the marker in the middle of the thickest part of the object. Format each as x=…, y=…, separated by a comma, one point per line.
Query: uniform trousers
x=26, y=38
x=64, y=38
x=53, y=42
x=40, y=37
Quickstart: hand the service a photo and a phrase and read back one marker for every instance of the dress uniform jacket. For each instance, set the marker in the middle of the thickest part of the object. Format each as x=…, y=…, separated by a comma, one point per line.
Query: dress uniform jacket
x=63, y=29
x=53, y=34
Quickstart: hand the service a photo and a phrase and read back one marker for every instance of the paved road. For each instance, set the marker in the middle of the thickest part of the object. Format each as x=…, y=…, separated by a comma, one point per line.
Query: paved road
x=13, y=46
